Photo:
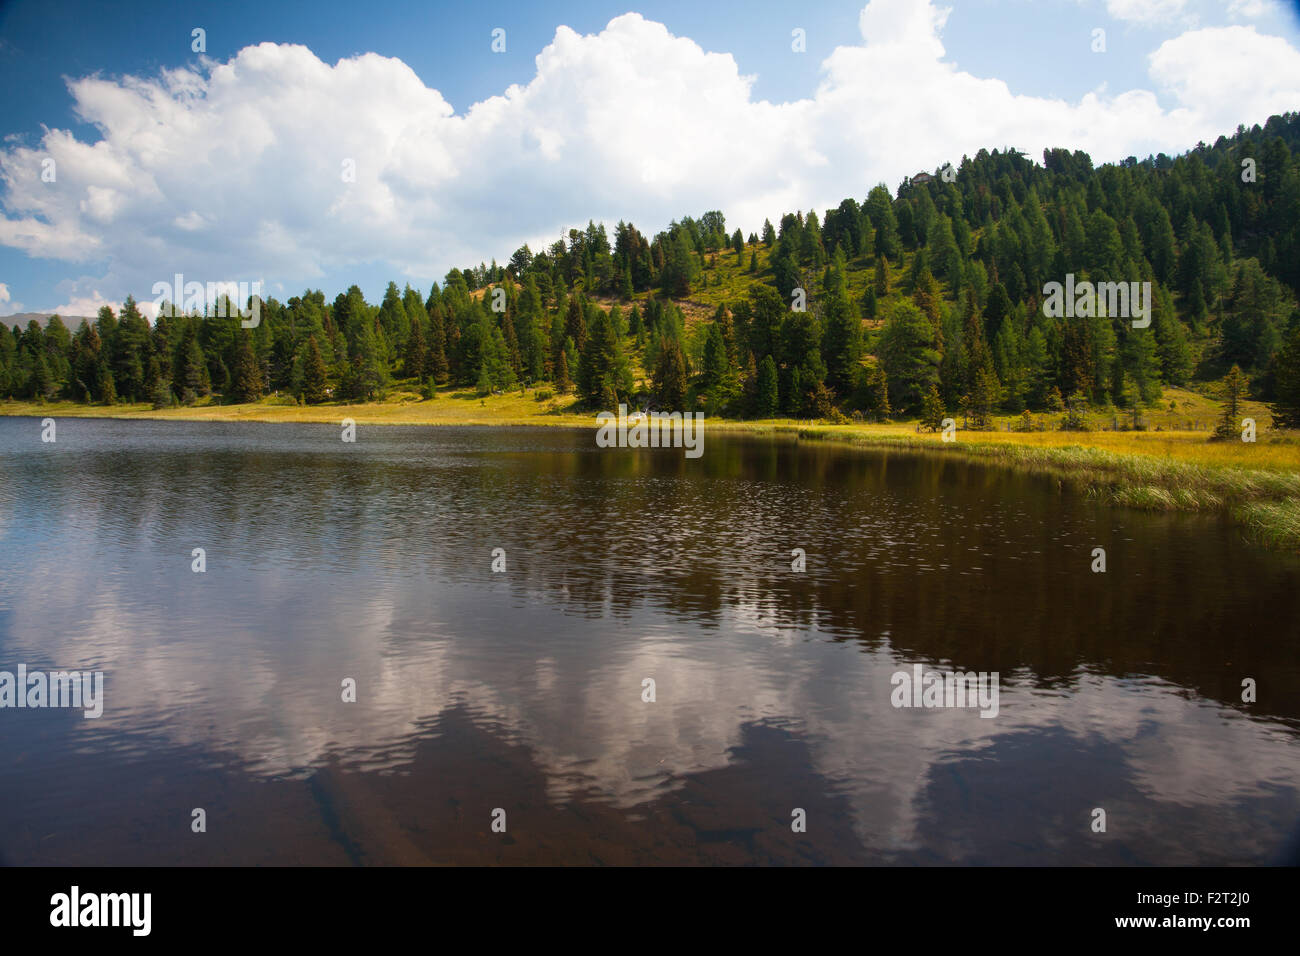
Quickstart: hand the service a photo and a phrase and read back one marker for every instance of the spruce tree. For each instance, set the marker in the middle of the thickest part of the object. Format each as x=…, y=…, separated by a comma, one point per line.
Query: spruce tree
x=1234, y=389
x=932, y=411
x=749, y=385
x=908, y=355
x=767, y=400
x=575, y=323
x=604, y=378
x=435, y=363
x=41, y=383
x=842, y=340
x=984, y=396
x=416, y=350
x=718, y=375
x=108, y=388
x=192, y=371
x=562, y=382
x=246, y=378
x=1286, y=383
x=313, y=374
x=670, y=376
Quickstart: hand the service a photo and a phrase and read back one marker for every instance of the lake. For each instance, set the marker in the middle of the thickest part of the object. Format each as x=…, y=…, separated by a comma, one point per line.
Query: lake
x=503, y=716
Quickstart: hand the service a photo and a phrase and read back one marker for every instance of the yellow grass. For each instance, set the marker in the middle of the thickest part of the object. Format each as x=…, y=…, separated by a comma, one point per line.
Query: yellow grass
x=1269, y=452
x=1272, y=451
x=451, y=407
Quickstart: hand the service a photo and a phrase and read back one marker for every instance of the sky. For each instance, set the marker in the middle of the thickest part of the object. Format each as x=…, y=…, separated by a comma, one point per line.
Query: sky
x=317, y=145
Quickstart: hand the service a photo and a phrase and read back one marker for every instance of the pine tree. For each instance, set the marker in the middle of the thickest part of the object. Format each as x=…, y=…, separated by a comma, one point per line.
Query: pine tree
x=908, y=355
x=1286, y=383
x=129, y=349
x=670, y=376
x=882, y=278
x=562, y=383
x=870, y=304
x=767, y=397
x=246, y=378
x=1038, y=368
x=108, y=388
x=680, y=266
x=436, y=363
x=1076, y=414
x=984, y=396
x=749, y=389
x=604, y=378
x=417, y=351
x=162, y=395
x=872, y=392
x=1234, y=388
x=86, y=357
x=932, y=411
x=575, y=323
x=41, y=383
x=393, y=320
x=727, y=329
x=1141, y=363
x=512, y=342
x=191, y=372
x=718, y=376
x=766, y=309
x=1076, y=370
x=364, y=376
x=1175, y=354
x=943, y=247
x=842, y=340
x=996, y=311
x=495, y=361
x=313, y=374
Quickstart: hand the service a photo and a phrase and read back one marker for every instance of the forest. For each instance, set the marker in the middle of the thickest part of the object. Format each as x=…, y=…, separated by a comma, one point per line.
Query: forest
x=924, y=301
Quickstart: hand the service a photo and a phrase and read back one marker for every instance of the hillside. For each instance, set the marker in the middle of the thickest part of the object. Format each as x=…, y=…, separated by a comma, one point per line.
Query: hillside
x=933, y=299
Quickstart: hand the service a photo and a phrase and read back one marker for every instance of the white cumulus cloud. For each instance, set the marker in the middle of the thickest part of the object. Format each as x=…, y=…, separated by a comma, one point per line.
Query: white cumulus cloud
x=279, y=166
x=1146, y=11
x=7, y=305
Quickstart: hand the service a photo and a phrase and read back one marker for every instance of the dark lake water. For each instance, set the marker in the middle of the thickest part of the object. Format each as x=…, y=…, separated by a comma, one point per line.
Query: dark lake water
x=523, y=690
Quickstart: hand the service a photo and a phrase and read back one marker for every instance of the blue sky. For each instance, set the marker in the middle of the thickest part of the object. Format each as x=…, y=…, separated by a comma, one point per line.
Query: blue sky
x=624, y=120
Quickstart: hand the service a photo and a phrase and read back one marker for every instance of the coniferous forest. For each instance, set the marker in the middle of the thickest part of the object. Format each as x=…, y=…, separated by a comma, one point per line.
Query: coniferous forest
x=922, y=302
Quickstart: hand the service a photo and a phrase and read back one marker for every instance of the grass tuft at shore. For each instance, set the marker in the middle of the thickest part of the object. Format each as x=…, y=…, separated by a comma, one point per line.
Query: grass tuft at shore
x=1266, y=500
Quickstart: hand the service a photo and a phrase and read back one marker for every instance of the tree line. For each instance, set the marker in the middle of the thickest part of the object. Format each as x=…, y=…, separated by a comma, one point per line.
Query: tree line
x=928, y=298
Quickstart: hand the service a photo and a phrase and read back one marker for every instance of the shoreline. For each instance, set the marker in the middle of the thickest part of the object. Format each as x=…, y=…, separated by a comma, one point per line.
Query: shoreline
x=1170, y=471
